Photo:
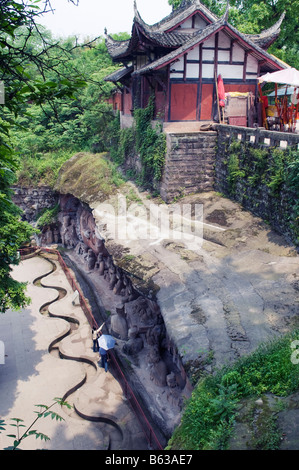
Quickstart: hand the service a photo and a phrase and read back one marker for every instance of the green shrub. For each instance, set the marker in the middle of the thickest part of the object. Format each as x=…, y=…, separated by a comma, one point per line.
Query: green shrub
x=208, y=418
x=41, y=170
x=143, y=140
x=253, y=172
x=48, y=216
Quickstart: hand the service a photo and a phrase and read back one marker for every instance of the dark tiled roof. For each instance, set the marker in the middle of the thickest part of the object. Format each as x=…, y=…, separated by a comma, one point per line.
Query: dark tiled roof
x=268, y=36
x=117, y=48
x=177, y=16
x=171, y=56
x=210, y=30
x=119, y=74
x=161, y=34
x=158, y=33
x=169, y=39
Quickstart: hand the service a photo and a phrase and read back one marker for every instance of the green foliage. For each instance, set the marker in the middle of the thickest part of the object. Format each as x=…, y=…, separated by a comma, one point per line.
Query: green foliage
x=126, y=145
x=48, y=217
x=268, y=369
x=209, y=415
x=43, y=412
x=175, y=3
x=224, y=404
x=152, y=153
x=251, y=170
x=55, y=105
x=292, y=177
x=233, y=167
x=42, y=169
x=141, y=139
x=31, y=70
x=13, y=233
x=79, y=122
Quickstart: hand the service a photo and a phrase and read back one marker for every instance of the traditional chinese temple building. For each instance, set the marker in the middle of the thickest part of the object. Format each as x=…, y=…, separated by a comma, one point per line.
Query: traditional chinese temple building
x=180, y=58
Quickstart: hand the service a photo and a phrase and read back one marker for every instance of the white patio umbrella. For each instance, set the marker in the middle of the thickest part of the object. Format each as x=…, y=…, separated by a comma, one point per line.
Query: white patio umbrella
x=106, y=342
x=288, y=76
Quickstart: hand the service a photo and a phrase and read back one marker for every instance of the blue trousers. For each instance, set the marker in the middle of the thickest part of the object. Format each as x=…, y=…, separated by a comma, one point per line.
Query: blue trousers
x=104, y=362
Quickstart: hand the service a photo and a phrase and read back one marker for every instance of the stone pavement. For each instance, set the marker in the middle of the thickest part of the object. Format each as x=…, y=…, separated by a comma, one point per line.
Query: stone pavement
x=39, y=349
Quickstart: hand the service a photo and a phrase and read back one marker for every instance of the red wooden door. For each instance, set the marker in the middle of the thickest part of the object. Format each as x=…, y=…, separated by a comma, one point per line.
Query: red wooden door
x=183, y=101
x=206, y=102
x=127, y=102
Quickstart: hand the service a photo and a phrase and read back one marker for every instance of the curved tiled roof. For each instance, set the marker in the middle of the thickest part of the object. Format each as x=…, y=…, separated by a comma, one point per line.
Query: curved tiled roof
x=162, y=34
x=119, y=74
x=177, y=16
x=116, y=48
x=268, y=36
x=255, y=50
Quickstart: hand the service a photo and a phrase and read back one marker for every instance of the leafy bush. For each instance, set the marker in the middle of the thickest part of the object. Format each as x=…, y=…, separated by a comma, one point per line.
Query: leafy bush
x=266, y=176
x=142, y=139
x=48, y=217
x=209, y=415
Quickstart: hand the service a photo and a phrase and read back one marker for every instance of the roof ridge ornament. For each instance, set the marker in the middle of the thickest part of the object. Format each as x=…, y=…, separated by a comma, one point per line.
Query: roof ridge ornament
x=225, y=16
x=266, y=37
x=137, y=16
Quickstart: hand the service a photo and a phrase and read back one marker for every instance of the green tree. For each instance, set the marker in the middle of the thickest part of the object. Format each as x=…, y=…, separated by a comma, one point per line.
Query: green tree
x=18, y=65
x=13, y=233
x=77, y=124
x=17, y=423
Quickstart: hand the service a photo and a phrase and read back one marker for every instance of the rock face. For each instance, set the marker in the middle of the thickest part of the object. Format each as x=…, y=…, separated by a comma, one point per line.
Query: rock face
x=34, y=200
x=136, y=319
x=175, y=307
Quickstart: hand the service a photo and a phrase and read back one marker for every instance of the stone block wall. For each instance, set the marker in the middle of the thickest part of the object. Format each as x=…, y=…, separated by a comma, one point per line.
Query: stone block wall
x=276, y=209
x=189, y=164
x=34, y=200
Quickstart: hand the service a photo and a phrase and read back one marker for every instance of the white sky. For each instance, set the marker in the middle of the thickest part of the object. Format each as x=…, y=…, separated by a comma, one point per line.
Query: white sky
x=91, y=17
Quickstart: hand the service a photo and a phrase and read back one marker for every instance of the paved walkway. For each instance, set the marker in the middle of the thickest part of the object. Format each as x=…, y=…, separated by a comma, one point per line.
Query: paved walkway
x=34, y=375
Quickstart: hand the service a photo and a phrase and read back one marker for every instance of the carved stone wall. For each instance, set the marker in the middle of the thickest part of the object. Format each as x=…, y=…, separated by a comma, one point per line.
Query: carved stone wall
x=137, y=320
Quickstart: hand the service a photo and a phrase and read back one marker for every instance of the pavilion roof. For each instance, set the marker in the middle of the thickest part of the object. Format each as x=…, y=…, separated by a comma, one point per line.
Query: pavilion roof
x=178, y=41
x=161, y=34
x=201, y=35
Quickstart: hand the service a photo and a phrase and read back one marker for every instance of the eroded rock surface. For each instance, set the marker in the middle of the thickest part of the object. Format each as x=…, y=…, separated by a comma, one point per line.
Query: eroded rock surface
x=182, y=304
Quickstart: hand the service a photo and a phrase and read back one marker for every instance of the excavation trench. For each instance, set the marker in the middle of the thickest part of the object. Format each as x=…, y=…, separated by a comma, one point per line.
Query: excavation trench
x=218, y=304
x=112, y=429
